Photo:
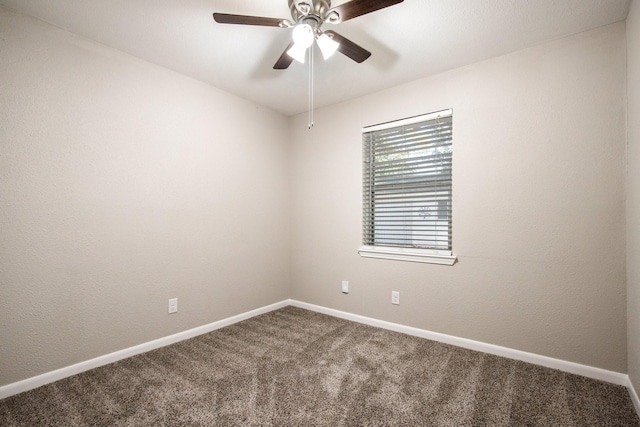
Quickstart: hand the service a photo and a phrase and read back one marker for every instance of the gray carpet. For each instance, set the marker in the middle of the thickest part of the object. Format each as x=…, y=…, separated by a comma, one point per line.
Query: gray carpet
x=296, y=367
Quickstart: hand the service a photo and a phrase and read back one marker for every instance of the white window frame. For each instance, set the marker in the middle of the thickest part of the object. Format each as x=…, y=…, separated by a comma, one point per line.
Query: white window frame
x=431, y=256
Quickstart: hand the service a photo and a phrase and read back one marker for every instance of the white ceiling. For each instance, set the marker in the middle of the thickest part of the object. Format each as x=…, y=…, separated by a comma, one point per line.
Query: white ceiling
x=413, y=39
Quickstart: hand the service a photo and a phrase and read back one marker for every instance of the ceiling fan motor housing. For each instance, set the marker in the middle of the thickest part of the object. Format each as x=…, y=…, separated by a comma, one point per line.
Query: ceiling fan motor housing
x=305, y=9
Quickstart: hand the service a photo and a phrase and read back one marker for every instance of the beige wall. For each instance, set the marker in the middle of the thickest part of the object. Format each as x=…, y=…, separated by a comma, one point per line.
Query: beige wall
x=538, y=204
x=633, y=194
x=123, y=184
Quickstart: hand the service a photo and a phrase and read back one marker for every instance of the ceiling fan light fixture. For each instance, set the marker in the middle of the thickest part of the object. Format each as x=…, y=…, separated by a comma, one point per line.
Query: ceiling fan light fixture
x=327, y=45
x=303, y=36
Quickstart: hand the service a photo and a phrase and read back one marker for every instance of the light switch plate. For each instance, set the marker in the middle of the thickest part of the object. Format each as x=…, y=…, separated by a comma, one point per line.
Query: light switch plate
x=395, y=297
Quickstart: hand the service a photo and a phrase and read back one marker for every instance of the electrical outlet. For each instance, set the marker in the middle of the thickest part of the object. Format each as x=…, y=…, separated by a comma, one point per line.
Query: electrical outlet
x=345, y=286
x=173, y=305
x=395, y=297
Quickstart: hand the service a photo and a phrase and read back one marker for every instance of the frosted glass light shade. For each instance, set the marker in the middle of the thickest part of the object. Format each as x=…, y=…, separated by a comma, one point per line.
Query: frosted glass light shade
x=303, y=35
x=327, y=45
x=298, y=52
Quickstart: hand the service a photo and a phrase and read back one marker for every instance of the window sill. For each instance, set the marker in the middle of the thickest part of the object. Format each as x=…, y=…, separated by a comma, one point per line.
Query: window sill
x=411, y=255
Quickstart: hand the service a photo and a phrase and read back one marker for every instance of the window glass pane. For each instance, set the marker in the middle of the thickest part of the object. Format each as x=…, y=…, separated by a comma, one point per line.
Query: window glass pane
x=407, y=185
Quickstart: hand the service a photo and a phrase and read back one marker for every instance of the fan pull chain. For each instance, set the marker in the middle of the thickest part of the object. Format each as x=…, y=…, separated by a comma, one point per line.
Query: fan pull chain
x=310, y=117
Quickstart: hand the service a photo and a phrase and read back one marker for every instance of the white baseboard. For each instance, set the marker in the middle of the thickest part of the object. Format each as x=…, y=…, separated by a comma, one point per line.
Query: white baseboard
x=536, y=359
x=634, y=395
x=549, y=362
x=58, y=374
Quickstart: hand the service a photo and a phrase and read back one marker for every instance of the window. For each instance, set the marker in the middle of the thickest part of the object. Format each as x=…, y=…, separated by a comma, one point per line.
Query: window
x=407, y=189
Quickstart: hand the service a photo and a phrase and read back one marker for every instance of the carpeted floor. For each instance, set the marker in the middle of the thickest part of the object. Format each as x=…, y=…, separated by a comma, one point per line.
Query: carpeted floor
x=296, y=367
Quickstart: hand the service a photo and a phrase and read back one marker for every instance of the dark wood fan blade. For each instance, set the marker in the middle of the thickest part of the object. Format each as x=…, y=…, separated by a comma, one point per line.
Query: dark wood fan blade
x=285, y=60
x=349, y=48
x=225, y=18
x=356, y=8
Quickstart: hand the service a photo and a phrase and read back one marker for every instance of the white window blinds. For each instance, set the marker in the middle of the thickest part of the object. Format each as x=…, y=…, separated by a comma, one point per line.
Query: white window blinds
x=407, y=183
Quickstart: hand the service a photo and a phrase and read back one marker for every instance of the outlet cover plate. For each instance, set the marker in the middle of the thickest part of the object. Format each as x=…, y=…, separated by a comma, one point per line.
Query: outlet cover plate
x=173, y=305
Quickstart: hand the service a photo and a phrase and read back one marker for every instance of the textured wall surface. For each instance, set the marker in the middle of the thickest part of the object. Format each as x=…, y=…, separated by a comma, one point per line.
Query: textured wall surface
x=123, y=184
x=633, y=193
x=538, y=204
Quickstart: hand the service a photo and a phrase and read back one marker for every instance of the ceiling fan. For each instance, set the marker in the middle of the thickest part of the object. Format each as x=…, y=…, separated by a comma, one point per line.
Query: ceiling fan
x=308, y=17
